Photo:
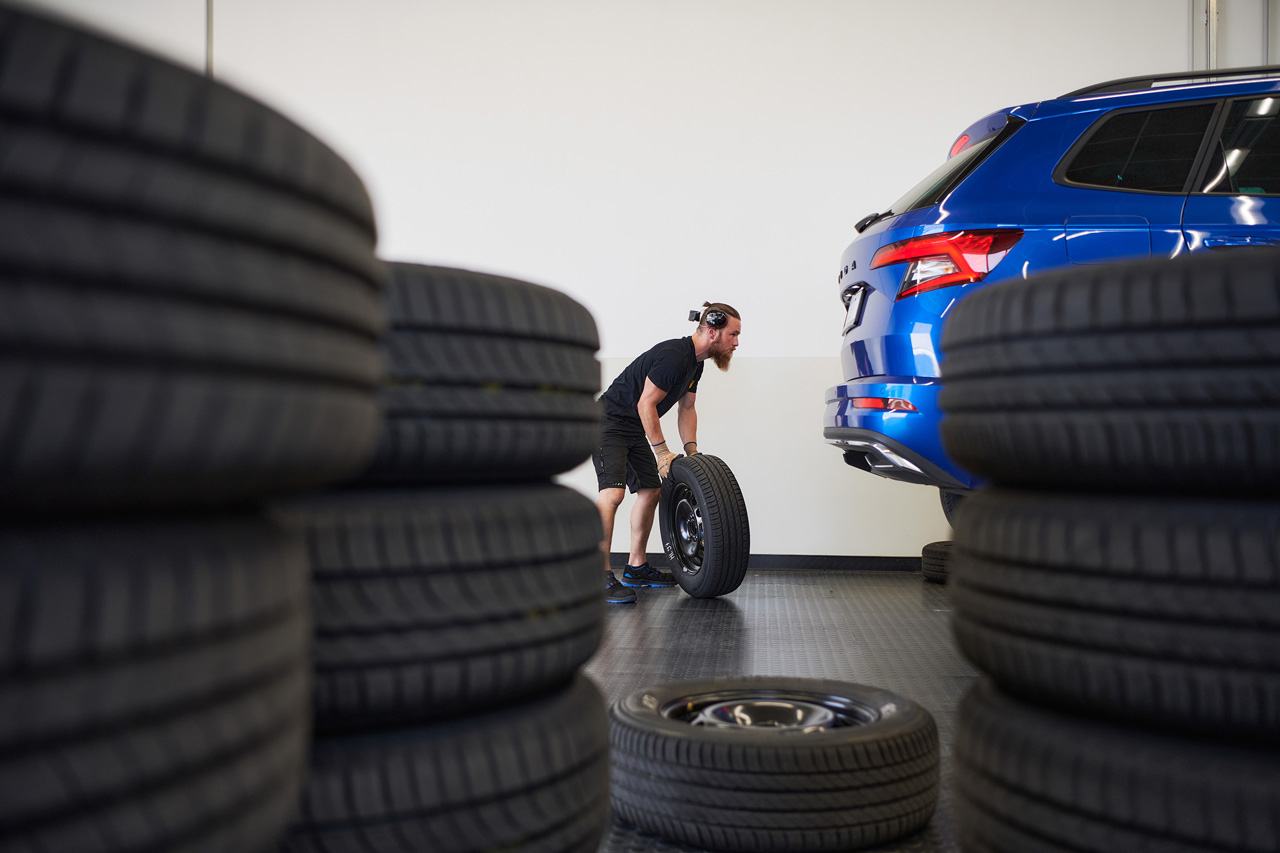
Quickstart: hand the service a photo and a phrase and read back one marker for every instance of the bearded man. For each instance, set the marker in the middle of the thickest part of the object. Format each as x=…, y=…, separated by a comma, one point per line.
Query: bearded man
x=632, y=451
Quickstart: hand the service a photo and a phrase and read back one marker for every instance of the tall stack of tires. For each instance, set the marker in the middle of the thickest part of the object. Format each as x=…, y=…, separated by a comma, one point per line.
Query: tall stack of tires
x=189, y=315
x=457, y=591
x=1118, y=584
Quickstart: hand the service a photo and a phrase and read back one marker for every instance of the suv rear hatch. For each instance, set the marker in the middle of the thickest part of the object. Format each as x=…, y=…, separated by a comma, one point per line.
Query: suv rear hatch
x=872, y=276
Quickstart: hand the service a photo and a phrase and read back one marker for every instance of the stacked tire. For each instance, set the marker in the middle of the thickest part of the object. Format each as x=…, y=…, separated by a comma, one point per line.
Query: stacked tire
x=773, y=763
x=457, y=592
x=1117, y=582
x=934, y=560
x=189, y=314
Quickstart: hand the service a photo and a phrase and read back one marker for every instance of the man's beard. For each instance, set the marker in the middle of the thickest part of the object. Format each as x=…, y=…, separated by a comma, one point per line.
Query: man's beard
x=722, y=358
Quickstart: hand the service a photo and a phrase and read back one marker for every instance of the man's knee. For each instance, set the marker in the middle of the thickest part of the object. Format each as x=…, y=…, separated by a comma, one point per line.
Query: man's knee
x=610, y=498
x=648, y=497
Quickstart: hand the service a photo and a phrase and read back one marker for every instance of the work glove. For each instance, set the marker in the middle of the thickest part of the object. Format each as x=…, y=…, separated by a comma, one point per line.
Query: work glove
x=690, y=448
x=665, y=457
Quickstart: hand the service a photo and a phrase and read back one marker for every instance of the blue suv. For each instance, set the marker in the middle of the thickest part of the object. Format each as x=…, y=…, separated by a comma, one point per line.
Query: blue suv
x=1157, y=166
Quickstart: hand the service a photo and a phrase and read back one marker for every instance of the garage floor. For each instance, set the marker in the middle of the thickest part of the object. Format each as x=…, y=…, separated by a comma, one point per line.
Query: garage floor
x=888, y=629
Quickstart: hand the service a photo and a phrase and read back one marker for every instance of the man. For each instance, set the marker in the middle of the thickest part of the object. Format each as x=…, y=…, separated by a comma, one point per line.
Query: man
x=632, y=451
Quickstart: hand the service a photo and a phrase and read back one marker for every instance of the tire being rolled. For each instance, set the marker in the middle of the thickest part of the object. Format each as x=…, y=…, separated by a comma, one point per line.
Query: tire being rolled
x=703, y=521
x=767, y=789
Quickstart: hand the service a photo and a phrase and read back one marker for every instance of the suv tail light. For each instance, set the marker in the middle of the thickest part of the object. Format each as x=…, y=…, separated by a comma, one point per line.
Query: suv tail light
x=941, y=260
x=892, y=404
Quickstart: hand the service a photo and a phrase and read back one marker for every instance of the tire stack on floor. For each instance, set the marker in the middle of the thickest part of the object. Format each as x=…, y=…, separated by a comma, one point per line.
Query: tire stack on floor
x=1119, y=586
x=189, y=317
x=457, y=591
x=773, y=763
x=934, y=560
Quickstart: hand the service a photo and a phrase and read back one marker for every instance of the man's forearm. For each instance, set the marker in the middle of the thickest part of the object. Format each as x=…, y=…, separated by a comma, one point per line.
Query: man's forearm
x=651, y=422
x=687, y=422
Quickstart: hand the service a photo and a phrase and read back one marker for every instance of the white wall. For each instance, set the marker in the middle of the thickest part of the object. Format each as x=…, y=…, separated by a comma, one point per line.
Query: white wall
x=646, y=156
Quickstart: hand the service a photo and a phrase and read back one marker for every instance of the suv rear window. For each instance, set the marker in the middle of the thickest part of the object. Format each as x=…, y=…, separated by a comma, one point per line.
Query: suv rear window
x=1151, y=150
x=1246, y=157
x=948, y=176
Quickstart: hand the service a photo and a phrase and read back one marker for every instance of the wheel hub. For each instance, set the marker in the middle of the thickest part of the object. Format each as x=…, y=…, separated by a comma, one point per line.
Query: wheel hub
x=790, y=715
x=690, y=538
x=783, y=712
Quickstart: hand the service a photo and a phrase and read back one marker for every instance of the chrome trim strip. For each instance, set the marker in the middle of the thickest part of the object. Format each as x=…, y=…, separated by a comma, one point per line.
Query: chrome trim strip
x=878, y=456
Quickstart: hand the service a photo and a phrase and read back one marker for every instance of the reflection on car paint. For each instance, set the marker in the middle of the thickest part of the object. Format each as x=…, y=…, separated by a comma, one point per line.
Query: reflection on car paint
x=1123, y=165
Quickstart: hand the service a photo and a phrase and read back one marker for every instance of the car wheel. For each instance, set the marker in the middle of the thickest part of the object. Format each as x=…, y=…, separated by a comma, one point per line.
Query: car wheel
x=933, y=561
x=1151, y=376
x=154, y=685
x=703, y=521
x=951, y=501
x=1030, y=780
x=528, y=777
x=489, y=378
x=773, y=763
x=190, y=302
x=434, y=602
x=1153, y=609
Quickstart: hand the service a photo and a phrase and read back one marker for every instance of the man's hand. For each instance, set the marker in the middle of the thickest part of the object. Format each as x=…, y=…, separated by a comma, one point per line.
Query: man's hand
x=665, y=458
x=690, y=448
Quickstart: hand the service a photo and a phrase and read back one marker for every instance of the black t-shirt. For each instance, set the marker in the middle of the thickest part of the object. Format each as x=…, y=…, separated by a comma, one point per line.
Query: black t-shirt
x=672, y=365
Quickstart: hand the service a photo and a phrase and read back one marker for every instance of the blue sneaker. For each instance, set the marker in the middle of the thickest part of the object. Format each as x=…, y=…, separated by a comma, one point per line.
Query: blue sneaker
x=616, y=593
x=646, y=575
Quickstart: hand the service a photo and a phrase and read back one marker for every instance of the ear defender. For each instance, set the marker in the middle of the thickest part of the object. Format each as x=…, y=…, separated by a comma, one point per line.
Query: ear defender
x=715, y=318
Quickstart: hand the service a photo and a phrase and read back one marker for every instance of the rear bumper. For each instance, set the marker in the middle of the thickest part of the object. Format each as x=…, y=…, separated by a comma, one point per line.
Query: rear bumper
x=898, y=445
x=881, y=455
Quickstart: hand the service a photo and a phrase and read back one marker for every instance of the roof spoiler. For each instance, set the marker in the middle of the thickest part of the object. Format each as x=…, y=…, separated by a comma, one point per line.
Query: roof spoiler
x=1130, y=84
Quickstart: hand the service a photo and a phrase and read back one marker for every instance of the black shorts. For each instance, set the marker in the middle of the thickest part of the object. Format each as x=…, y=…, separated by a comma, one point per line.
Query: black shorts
x=624, y=458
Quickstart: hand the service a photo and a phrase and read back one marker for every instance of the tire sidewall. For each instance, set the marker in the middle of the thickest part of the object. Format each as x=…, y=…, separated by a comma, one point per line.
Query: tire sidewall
x=684, y=472
x=681, y=475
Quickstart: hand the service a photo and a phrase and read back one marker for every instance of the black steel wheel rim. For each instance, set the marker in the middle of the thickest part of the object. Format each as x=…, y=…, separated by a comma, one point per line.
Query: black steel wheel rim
x=771, y=711
x=687, y=532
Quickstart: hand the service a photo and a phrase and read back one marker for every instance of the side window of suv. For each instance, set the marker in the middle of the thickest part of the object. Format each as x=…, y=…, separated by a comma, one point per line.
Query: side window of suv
x=1246, y=157
x=1151, y=150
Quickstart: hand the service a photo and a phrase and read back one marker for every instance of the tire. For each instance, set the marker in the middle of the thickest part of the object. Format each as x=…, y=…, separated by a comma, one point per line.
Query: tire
x=1151, y=376
x=154, y=686
x=531, y=777
x=703, y=521
x=189, y=297
x=1158, y=610
x=772, y=789
x=933, y=561
x=431, y=603
x=951, y=501
x=490, y=378
x=1033, y=781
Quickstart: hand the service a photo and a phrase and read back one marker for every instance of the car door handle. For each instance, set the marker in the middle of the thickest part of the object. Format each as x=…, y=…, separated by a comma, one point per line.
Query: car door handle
x=1240, y=241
